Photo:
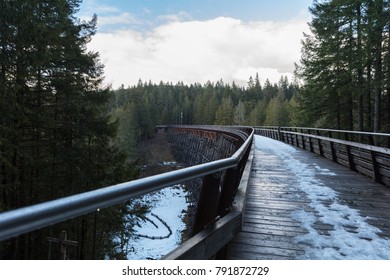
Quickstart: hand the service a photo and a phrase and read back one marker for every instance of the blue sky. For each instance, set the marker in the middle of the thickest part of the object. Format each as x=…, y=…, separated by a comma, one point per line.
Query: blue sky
x=196, y=41
x=248, y=10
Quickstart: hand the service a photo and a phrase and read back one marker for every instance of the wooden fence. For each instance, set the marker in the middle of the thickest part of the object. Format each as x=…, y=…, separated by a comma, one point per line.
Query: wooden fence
x=364, y=152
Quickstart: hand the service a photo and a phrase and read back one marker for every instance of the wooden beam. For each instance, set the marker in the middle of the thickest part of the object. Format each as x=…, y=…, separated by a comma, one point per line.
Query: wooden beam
x=209, y=241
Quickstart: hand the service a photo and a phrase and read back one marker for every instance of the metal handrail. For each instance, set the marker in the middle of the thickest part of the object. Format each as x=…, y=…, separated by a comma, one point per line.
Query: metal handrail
x=366, y=133
x=370, y=159
x=344, y=142
x=371, y=138
x=327, y=130
x=27, y=219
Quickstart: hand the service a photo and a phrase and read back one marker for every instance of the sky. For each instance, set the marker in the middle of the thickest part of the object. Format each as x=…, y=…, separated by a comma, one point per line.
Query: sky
x=197, y=41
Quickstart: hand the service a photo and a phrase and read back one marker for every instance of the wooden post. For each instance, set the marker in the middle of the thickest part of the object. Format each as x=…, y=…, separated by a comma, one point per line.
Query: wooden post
x=311, y=145
x=346, y=136
x=333, y=151
x=350, y=158
x=319, y=144
x=207, y=208
x=375, y=167
x=229, y=188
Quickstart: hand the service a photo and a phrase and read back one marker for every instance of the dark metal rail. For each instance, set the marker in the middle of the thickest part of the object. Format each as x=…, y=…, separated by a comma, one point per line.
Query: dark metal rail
x=353, y=149
x=363, y=137
x=20, y=221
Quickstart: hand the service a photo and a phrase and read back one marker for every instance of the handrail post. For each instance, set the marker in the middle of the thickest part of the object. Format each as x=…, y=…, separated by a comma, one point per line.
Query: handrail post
x=279, y=134
x=319, y=144
x=371, y=140
x=350, y=158
x=231, y=180
x=228, y=188
x=310, y=143
x=346, y=137
x=333, y=151
x=208, y=202
x=375, y=167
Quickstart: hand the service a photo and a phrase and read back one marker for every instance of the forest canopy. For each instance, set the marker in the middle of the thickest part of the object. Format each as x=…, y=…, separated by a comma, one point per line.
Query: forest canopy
x=63, y=132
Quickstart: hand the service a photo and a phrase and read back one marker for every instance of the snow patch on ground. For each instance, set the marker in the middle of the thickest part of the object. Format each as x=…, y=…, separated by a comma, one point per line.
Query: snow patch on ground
x=167, y=209
x=169, y=163
x=324, y=171
x=350, y=236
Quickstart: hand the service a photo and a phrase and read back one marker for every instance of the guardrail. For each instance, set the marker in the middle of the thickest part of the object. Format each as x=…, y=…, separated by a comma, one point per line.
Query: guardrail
x=212, y=204
x=353, y=149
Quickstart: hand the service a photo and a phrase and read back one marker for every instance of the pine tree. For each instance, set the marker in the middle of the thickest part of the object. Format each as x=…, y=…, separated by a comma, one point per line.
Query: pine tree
x=258, y=114
x=278, y=111
x=378, y=21
x=56, y=130
x=342, y=65
x=224, y=114
x=239, y=114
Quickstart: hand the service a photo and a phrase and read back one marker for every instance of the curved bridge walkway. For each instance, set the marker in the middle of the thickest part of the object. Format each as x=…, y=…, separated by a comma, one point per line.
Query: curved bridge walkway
x=301, y=206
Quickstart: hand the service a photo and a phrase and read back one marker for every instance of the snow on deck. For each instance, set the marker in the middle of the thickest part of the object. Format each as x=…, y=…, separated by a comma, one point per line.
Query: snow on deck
x=300, y=206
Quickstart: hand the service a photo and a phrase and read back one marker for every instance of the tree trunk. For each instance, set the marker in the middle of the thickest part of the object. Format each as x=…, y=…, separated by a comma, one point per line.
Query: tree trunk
x=378, y=90
x=360, y=69
x=378, y=36
x=368, y=96
x=387, y=125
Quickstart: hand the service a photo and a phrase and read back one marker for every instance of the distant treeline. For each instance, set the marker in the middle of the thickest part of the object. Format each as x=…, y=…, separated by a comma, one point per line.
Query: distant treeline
x=140, y=108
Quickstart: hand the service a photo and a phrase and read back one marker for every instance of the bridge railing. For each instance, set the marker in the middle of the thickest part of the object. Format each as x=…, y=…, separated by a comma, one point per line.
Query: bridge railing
x=223, y=224
x=364, y=152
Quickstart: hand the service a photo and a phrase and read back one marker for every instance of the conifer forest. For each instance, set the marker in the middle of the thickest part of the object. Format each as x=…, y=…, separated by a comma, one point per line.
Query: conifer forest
x=63, y=131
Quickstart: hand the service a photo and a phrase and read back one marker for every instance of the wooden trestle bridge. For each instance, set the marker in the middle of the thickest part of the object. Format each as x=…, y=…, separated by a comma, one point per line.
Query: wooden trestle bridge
x=266, y=193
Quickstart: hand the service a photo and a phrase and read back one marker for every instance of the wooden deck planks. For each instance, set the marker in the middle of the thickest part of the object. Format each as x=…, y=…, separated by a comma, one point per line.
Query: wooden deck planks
x=269, y=230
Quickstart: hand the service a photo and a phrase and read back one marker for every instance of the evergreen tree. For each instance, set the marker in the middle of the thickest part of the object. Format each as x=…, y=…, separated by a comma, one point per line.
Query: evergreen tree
x=239, y=114
x=278, y=111
x=258, y=114
x=342, y=65
x=56, y=135
x=224, y=114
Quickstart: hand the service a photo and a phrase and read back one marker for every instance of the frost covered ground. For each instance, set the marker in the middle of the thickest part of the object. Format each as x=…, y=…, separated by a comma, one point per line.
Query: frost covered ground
x=167, y=209
x=362, y=243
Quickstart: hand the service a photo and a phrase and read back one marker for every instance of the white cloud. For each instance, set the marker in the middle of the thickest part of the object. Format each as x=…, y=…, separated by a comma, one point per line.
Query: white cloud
x=123, y=18
x=197, y=51
x=181, y=16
